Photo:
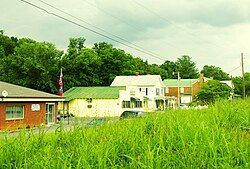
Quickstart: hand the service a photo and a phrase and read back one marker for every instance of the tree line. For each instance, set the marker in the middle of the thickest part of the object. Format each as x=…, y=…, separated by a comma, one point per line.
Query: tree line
x=37, y=65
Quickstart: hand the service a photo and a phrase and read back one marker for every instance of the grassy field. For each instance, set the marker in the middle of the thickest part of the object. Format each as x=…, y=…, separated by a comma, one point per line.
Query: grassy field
x=217, y=137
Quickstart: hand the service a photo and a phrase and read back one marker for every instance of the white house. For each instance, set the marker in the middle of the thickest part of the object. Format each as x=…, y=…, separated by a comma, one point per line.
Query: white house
x=147, y=90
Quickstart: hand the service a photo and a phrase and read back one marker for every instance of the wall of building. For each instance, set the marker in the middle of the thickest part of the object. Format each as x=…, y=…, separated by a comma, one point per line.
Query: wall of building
x=173, y=91
x=31, y=118
x=95, y=108
x=196, y=88
x=192, y=91
x=142, y=92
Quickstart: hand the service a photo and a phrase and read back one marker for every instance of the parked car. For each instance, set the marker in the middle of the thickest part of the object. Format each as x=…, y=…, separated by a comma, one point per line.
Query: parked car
x=131, y=113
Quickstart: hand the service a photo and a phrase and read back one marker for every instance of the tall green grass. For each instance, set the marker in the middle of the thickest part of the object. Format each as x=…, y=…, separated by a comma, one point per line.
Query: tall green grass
x=217, y=137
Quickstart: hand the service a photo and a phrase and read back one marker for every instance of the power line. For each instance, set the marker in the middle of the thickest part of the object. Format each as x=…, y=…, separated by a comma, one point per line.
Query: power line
x=89, y=29
x=79, y=19
x=167, y=20
x=113, y=16
x=234, y=69
x=123, y=21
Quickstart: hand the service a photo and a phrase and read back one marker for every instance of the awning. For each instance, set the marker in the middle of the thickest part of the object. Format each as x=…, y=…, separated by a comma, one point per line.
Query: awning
x=133, y=98
x=160, y=98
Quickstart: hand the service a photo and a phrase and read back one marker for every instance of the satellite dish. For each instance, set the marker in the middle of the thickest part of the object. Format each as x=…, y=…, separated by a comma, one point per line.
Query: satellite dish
x=4, y=93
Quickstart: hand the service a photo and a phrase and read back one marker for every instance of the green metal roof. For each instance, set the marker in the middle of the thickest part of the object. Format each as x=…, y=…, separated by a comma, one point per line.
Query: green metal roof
x=93, y=92
x=183, y=82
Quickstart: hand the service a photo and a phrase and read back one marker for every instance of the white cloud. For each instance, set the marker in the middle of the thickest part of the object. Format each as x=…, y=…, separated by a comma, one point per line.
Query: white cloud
x=212, y=32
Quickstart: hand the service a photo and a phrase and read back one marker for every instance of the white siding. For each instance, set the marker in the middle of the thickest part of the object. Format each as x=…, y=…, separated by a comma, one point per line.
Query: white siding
x=100, y=108
x=186, y=99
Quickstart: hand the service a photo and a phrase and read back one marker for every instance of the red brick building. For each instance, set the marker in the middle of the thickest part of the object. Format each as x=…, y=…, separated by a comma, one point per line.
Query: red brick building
x=21, y=107
x=188, y=88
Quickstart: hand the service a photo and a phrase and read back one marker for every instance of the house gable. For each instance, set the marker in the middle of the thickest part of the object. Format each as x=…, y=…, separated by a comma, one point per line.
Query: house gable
x=139, y=81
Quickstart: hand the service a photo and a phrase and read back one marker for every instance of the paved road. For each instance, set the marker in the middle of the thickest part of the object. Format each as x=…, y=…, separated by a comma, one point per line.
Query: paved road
x=66, y=125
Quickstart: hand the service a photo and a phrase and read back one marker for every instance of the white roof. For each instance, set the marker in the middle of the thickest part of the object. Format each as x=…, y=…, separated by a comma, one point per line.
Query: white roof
x=228, y=82
x=140, y=80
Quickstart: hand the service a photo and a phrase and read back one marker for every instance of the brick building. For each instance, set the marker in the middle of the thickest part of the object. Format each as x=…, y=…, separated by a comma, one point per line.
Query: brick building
x=22, y=107
x=188, y=88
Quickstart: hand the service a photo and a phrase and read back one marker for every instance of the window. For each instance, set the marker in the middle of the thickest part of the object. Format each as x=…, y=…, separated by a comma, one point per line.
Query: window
x=167, y=90
x=14, y=112
x=182, y=89
x=138, y=104
x=132, y=91
x=89, y=100
x=125, y=104
x=157, y=91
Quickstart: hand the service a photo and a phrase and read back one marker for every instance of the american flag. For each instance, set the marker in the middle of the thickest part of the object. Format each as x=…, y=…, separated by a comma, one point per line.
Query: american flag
x=61, y=84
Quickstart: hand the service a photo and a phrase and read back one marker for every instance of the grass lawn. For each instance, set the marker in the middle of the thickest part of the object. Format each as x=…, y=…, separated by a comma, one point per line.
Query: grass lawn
x=217, y=137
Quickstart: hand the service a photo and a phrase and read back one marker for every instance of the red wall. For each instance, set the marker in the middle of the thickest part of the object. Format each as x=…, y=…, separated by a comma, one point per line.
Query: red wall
x=196, y=87
x=173, y=91
x=31, y=118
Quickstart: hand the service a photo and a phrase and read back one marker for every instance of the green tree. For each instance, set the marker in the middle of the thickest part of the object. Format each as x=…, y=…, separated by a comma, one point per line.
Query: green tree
x=238, y=84
x=2, y=53
x=82, y=70
x=33, y=65
x=215, y=73
x=7, y=44
x=76, y=45
x=170, y=68
x=117, y=62
x=114, y=62
x=155, y=69
x=186, y=67
x=212, y=91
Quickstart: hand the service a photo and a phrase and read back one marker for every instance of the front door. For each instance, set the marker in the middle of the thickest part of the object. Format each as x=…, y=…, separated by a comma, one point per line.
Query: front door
x=50, y=113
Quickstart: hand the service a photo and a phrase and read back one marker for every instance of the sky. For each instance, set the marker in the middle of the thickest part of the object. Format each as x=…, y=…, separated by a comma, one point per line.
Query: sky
x=211, y=32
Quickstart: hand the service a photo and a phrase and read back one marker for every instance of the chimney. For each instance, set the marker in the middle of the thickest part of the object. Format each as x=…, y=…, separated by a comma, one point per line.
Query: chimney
x=201, y=78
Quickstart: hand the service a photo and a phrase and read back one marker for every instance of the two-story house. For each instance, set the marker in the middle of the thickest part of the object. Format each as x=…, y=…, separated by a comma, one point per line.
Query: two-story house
x=186, y=89
x=146, y=91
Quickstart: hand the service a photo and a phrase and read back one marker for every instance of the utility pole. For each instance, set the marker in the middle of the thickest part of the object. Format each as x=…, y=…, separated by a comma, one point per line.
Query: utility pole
x=178, y=82
x=243, y=79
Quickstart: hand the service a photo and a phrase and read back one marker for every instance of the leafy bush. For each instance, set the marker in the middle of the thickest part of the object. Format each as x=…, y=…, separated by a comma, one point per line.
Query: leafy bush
x=211, y=91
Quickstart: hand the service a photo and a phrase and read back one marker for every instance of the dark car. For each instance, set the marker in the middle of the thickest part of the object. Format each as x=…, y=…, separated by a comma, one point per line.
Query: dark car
x=130, y=113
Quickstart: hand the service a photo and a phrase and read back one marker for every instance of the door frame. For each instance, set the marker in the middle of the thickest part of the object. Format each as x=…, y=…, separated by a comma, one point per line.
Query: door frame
x=53, y=114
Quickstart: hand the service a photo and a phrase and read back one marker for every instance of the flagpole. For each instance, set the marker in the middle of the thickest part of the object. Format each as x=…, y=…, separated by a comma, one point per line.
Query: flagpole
x=61, y=90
